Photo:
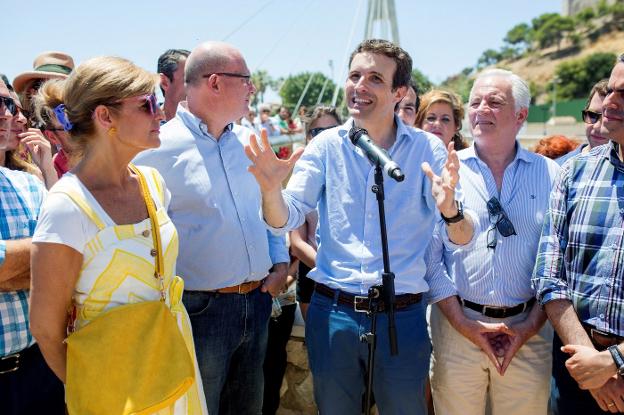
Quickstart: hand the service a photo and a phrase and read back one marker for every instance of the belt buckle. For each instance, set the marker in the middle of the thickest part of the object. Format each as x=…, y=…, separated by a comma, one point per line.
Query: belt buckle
x=16, y=357
x=240, y=286
x=358, y=300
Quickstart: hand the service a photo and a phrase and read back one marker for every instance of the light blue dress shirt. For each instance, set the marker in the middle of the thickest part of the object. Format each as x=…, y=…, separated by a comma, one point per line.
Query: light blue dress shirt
x=501, y=276
x=337, y=175
x=214, y=204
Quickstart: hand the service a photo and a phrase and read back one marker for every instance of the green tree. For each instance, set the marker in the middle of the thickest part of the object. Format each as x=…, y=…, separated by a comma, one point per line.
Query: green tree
x=293, y=87
x=576, y=77
x=603, y=8
x=585, y=16
x=519, y=36
x=617, y=11
x=262, y=81
x=541, y=20
x=461, y=84
x=553, y=31
x=423, y=84
x=509, y=53
x=488, y=58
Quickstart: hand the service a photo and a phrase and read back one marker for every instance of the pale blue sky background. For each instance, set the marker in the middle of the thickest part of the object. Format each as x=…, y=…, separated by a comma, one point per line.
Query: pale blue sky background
x=285, y=36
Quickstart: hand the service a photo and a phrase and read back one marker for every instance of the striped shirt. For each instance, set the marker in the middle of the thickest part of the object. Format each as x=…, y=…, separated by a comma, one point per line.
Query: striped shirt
x=21, y=195
x=501, y=276
x=581, y=252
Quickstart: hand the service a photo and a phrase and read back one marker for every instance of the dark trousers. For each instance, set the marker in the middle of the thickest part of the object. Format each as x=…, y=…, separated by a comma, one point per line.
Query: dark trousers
x=566, y=396
x=230, y=333
x=275, y=359
x=33, y=388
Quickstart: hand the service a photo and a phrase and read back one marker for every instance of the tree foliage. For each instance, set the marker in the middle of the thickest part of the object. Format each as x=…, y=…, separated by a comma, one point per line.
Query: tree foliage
x=554, y=30
x=488, y=58
x=423, y=84
x=293, y=87
x=519, y=36
x=262, y=80
x=461, y=84
x=575, y=78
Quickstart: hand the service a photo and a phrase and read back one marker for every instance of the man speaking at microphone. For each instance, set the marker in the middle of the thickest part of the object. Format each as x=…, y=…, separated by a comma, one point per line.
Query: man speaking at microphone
x=338, y=176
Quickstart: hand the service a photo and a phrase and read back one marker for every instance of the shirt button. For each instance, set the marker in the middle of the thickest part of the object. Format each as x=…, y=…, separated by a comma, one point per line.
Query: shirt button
x=153, y=252
x=369, y=216
x=145, y=233
x=602, y=316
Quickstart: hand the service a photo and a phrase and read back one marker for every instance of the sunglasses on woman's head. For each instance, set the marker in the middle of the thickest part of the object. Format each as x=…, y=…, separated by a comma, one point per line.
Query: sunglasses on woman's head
x=591, y=117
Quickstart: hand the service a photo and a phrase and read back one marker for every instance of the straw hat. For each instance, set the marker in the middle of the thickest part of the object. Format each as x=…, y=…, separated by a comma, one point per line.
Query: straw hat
x=48, y=65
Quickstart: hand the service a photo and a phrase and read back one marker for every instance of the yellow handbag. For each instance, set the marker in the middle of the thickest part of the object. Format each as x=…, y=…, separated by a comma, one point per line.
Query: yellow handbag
x=131, y=359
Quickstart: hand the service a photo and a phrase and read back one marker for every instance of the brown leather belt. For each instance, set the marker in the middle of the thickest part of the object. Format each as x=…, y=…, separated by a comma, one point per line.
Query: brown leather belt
x=360, y=303
x=497, y=312
x=601, y=339
x=244, y=288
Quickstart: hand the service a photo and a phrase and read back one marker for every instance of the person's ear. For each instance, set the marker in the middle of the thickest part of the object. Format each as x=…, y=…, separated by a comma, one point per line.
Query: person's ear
x=103, y=117
x=165, y=83
x=400, y=93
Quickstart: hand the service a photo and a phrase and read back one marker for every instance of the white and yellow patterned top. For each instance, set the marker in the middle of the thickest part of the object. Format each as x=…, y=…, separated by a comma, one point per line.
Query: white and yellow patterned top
x=119, y=262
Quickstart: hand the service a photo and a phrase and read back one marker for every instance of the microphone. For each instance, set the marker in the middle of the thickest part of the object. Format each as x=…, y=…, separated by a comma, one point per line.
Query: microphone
x=359, y=137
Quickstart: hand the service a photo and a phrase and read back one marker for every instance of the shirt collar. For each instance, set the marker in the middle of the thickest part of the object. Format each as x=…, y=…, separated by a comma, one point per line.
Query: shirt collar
x=195, y=124
x=402, y=129
x=521, y=154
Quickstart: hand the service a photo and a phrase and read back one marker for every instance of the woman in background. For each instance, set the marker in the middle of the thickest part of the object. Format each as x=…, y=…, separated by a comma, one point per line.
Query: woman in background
x=441, y=114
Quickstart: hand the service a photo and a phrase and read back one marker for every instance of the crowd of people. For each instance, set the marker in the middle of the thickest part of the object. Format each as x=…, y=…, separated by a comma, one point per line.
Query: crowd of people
x=106, y=195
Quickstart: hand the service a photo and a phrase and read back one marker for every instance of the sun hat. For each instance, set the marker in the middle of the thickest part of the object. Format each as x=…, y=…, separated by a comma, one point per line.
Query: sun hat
x=48, y=65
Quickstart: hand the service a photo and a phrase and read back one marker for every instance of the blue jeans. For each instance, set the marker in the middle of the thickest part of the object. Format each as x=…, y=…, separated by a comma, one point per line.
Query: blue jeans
x=338, y=359
x=230, y=333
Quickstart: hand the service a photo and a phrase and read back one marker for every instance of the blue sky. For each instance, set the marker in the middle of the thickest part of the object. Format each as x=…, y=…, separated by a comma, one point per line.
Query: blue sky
x=281, y=36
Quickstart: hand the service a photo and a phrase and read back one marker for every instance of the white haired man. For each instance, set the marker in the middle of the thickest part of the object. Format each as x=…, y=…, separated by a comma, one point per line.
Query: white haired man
x=489, y=338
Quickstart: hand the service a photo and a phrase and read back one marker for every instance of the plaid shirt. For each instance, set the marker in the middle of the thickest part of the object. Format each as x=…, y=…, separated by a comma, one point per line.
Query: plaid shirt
x=581, y=251
x=21, y=195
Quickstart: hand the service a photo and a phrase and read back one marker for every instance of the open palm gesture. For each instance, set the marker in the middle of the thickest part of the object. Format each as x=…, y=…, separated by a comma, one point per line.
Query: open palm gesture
x=443, y=186
x=267, y=168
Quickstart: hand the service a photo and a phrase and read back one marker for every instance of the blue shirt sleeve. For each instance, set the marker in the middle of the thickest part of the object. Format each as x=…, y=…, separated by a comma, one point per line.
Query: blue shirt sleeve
x=304, y=187
x=277, y=248
x=441, y=285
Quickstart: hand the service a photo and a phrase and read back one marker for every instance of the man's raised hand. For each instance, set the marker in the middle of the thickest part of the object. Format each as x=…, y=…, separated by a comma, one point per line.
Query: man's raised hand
x=267, y=168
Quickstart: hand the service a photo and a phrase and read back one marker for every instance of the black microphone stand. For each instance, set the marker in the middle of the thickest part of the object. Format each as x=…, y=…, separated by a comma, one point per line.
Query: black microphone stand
x=377, y=293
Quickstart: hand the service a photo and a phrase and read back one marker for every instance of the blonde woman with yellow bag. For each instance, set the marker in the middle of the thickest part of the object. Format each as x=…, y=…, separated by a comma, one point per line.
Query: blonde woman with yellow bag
x=106, y=306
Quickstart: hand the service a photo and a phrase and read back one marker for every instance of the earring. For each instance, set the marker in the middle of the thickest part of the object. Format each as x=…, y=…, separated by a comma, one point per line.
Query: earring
x=112, y=131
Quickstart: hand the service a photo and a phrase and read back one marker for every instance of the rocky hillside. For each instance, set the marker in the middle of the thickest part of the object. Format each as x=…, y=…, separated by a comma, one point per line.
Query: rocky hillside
x=540, y=66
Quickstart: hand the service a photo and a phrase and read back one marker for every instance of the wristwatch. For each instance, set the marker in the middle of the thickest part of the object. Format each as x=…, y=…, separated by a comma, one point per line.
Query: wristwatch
x=618, y=358
x=456, y=218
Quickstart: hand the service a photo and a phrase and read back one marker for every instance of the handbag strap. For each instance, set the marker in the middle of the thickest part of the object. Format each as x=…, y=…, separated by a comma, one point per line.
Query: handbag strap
x=151, y=211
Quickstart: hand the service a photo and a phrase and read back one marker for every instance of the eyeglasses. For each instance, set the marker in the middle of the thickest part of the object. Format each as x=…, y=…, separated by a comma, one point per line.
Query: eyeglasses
x=8, y=103
x=151, y=103
x=591, y=117
x=500, y=222
x=247, y=78
x=316, y=131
